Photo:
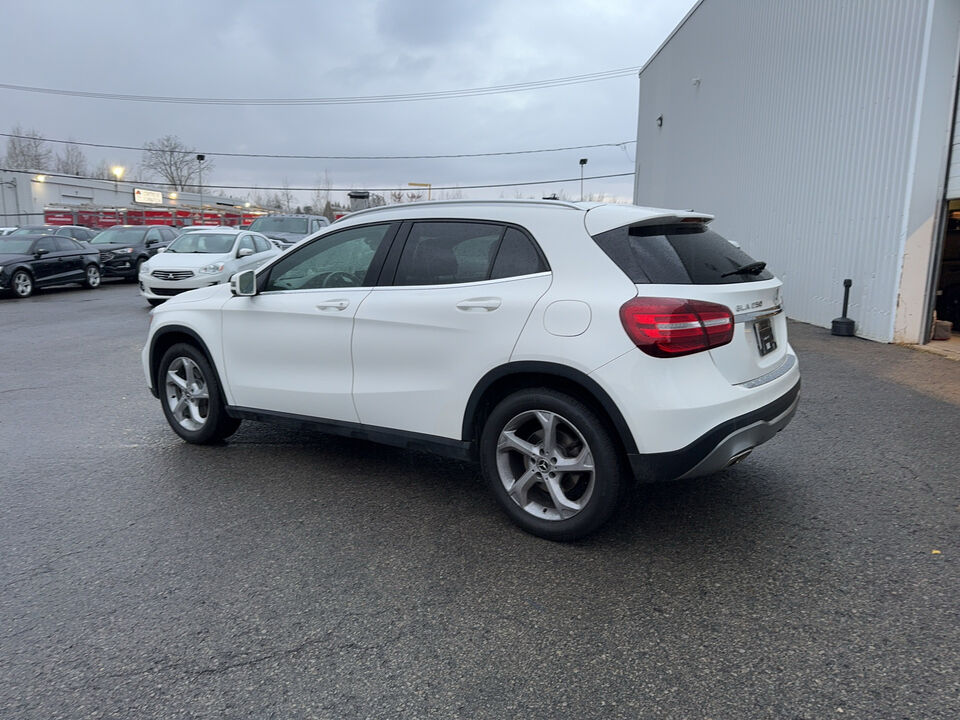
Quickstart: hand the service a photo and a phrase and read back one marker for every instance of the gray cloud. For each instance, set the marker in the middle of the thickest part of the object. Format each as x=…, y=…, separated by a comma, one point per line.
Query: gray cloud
x=366, y=47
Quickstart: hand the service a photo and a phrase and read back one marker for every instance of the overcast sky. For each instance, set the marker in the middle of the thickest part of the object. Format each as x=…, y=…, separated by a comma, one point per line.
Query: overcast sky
x=286, y=48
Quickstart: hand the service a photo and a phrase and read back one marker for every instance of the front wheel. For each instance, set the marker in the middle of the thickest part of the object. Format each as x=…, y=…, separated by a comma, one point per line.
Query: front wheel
x=92, y=279
x=191, y=398
x=136, y=273
x=22, y=284
x=551, y=463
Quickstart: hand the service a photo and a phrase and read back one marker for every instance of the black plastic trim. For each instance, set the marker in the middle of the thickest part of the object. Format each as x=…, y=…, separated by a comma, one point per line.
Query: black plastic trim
x=652, y=467
x=545, y=368
x=447, y=447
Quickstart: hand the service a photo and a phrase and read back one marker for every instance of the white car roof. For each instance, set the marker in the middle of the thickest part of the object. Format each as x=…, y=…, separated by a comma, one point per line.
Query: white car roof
x=597, y=217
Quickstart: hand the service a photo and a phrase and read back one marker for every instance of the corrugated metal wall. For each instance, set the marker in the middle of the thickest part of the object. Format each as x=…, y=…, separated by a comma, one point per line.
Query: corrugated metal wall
x=792, y=121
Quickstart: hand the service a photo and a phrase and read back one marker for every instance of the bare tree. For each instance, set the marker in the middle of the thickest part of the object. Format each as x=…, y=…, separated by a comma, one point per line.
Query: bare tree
x=71, y=161
x=321, y=195
x=102, y=171
x=377, y=200
x=171, y=160
x=396, y=196
x=29, y=151
x=414, y=196
x=286, y=197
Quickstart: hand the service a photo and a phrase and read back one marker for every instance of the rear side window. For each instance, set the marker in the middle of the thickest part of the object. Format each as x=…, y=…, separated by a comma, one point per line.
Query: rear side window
x=517, y=256
x=680, y=254
x=439, y=253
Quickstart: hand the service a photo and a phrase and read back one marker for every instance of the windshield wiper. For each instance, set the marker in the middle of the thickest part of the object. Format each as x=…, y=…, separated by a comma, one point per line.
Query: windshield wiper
x=754, y=268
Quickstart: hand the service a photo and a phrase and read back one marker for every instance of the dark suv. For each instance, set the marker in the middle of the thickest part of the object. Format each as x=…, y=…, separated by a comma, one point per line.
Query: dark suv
x=124, y=248
x=288, y=229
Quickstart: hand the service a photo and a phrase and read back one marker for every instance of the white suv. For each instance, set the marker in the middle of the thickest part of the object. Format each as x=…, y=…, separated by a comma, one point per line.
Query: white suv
x=202, y=257
x=567, y=346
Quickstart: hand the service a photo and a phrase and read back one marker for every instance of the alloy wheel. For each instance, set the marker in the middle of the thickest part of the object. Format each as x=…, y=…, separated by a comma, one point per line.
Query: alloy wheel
x=22, y=284
x=188, y=398
x=93, y=276
x=545, y=465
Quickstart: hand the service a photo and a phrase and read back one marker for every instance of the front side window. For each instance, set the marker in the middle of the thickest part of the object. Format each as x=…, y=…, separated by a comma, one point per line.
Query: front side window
x=342, y=259
x=260, y=243
x=246, y=242
x=48, y=243
x=440, y=253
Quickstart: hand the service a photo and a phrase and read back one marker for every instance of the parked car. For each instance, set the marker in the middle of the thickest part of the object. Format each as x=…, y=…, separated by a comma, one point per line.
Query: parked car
x=77, y=232
x=201, y=258
x=568, y=347
x=125, y=248
x=28, y=262
x=288, y=229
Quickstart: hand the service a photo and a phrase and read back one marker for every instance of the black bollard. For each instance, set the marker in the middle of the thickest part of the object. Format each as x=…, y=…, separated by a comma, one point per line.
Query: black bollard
x=844, y=325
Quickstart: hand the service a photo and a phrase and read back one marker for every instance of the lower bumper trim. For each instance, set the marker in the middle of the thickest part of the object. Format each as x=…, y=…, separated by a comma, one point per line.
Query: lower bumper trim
x=721, y=446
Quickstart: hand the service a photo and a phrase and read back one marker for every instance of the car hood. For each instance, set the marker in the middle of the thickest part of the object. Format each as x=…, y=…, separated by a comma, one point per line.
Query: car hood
x=14, y=257
x=175, y=261
x=285, y=236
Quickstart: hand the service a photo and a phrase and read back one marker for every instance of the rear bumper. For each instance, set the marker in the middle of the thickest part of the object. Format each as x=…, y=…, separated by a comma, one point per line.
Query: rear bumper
x=720, y=447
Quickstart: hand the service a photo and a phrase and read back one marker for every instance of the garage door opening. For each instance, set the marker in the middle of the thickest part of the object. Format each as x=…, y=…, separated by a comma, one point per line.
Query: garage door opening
x=947, y=301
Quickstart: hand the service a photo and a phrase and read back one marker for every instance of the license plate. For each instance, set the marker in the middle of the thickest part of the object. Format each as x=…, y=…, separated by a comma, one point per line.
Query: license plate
x=766, y=343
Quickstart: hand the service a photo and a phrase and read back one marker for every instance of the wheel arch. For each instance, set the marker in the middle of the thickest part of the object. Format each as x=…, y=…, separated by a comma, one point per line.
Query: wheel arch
x=506, y=379
x=168, y=336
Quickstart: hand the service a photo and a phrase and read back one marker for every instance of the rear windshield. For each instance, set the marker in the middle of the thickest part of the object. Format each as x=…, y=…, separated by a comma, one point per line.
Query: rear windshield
x=680, y=254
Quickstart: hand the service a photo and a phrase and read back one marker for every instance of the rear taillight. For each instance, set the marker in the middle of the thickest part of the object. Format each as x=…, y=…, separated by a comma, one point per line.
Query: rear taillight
x=670, y=327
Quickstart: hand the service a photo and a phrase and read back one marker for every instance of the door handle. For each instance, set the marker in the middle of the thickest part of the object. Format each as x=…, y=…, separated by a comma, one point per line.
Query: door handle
x=485, y=304
x=333, y=305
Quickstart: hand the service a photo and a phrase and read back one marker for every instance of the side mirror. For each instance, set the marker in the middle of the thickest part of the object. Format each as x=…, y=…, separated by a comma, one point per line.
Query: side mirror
x=244, y=252
x=161, y=249
x=244, y=284
x=150, y=243
x=41, y=252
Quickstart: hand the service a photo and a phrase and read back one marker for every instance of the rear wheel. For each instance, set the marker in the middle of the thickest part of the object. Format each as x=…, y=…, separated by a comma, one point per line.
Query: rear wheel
x=22, y=284
x=551, y=463
x=191, y=398
x=92, y=279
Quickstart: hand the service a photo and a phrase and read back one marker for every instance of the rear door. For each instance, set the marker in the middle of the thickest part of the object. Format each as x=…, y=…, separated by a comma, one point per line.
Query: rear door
x=456, y=300
x=687, y=260
x=72, y=258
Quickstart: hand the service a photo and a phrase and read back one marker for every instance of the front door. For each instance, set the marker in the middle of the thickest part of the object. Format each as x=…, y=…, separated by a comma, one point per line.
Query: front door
x=287, y=349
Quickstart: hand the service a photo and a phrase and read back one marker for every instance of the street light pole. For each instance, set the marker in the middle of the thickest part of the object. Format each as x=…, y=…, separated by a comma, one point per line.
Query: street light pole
x=200, y=159
x=583, y=161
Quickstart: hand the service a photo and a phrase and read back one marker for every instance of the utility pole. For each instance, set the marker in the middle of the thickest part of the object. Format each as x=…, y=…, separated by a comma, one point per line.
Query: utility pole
x=200, y=159
x=583, y=161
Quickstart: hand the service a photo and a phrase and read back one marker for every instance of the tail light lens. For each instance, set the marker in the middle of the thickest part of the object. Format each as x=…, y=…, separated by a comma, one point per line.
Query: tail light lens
x=671, y=327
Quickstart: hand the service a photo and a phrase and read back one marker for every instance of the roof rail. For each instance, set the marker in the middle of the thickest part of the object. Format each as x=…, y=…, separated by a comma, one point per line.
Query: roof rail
x=448, y=203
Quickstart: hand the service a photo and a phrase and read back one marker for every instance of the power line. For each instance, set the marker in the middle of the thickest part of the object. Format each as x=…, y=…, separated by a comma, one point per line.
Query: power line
x=332, y=189
x=326, y=157
x=347, y=100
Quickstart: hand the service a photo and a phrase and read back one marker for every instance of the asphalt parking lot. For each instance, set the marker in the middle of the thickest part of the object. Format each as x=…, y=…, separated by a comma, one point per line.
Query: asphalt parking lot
x=288, y=574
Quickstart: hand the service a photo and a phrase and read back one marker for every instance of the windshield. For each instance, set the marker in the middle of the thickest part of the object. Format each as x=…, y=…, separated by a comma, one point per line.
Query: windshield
x=280, y=224
x=123, y=236
x=202, y=242
x=33, y=230
x=9, y=245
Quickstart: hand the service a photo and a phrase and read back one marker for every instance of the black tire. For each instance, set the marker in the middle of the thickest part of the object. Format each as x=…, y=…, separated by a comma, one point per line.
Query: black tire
x=92, y=277
x=136, y=273
x=154, y=301
x=21, y=284
x=187, y=362
x=580, y=435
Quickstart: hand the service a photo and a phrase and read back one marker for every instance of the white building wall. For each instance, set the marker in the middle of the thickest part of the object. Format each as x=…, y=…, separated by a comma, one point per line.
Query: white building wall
x=795, y=123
